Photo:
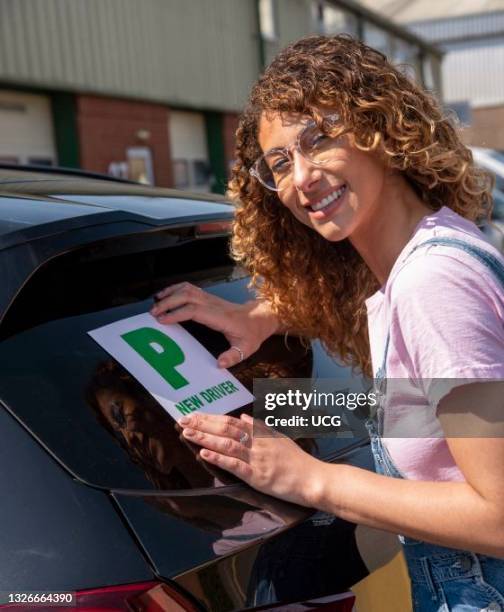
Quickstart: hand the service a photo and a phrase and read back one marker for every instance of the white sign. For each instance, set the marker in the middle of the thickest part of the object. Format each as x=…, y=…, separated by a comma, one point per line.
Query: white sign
x=172, y=365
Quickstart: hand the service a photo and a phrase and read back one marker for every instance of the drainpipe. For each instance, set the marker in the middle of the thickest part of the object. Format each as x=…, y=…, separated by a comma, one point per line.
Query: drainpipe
x=66, y=135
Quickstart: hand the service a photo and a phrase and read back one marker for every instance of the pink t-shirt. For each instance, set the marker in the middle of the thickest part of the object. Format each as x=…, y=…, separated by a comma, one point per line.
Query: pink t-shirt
x=445, y=312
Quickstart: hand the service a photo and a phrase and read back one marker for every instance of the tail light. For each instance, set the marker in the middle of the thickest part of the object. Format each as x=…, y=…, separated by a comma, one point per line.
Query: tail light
x=140, y=597
x=214, y=228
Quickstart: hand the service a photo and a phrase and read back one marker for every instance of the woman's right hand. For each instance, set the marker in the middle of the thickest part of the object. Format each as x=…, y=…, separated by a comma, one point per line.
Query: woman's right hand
x=245, y=326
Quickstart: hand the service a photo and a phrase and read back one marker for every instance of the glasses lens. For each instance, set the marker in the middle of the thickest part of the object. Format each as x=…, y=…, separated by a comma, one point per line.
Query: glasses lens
x=274, y=170
x=317, y=146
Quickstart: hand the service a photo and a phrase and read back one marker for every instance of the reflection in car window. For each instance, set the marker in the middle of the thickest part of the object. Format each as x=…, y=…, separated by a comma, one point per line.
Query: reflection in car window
x=98, y=420
x=143, y=429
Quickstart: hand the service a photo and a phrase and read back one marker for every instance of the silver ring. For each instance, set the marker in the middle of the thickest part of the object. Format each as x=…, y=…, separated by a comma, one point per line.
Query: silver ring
x=244, y=437
x=240, y=351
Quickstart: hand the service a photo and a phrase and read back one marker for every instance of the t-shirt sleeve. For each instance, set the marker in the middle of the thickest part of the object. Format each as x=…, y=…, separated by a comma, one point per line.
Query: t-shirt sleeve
x=447, y=315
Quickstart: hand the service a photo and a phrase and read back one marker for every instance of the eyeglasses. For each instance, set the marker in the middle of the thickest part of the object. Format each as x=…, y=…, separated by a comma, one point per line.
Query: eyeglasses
x=274, y=169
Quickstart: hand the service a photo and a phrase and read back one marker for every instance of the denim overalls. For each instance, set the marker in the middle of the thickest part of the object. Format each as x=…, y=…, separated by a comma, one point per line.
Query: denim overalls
x=442, y=579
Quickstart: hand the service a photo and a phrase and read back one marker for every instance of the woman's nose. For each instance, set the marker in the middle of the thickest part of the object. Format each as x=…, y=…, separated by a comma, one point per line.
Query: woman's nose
x=305, y=175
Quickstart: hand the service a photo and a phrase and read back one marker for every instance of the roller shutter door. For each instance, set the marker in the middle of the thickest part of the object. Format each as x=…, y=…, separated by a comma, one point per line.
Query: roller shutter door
x=26, y=129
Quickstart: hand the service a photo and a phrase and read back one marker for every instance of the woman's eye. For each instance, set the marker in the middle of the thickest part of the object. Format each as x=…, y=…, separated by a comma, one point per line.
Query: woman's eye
x=280, y=165
x=118, y=414
x=320, y=139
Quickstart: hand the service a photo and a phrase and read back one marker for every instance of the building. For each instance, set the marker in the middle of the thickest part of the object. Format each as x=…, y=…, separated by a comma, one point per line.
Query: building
x=293, y=18
x=152, y=89
x=471, y=34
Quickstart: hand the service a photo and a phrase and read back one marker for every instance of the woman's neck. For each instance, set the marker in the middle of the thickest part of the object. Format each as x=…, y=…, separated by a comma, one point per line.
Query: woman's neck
x=389, y=226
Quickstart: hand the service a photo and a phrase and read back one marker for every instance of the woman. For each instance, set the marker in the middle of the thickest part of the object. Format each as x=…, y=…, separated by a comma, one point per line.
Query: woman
x=344, y=170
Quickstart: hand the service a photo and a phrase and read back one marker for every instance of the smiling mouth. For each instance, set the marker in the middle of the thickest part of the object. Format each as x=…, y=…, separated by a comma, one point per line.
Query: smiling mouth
x=328, y=200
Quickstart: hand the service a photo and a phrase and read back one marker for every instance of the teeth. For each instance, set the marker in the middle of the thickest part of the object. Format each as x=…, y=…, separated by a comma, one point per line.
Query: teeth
x=329, y=199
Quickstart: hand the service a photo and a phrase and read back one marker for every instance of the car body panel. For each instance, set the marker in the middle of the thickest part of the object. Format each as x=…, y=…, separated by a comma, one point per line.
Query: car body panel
x=150, y=206
x=20, y=213
x=50, y=217
x=56, y=533
x=203, y=525
x=310, y=560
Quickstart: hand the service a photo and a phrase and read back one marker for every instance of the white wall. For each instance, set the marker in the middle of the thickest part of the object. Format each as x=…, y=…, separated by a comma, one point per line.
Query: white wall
x=26, y=129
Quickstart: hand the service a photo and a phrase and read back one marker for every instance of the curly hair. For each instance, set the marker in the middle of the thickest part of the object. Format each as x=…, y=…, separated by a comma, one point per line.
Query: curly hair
x=316, y=286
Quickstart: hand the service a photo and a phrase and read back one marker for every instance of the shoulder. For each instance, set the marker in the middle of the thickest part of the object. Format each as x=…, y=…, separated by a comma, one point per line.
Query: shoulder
x=457, y=259
x=447, y=304
x=438, y=271
x=447, y=312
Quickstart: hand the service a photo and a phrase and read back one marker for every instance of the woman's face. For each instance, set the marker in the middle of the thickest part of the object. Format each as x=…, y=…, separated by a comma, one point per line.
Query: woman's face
x=139, y=428
x=352, y=183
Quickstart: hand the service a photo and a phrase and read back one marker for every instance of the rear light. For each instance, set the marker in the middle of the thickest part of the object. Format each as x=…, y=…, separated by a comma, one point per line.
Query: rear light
x=213, y=228
x=140, y=597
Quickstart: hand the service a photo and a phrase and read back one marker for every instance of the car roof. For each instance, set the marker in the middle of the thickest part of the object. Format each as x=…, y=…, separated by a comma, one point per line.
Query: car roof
x=489, y=159
x=41, y=180
x=46, y=214
x=32, y=202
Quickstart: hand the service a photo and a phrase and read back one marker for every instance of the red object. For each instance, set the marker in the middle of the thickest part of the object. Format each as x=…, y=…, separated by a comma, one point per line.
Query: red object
x=140, y=597
x=160, y=597
x=213, y=227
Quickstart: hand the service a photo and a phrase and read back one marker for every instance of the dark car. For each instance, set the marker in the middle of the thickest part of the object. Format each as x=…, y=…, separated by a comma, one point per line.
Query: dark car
x=126, y=517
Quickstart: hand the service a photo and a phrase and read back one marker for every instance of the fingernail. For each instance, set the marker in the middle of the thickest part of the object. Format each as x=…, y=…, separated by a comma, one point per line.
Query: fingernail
x=184, y=420
x=205, y=453
x=222, y=363
x=189, y=432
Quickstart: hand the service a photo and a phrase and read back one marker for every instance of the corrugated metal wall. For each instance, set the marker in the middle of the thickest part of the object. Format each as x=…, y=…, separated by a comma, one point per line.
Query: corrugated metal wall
x=473, y=66
x=293, y=22
x=460, y=27
x=192, y=53
x=296, y=20
x=474, y=73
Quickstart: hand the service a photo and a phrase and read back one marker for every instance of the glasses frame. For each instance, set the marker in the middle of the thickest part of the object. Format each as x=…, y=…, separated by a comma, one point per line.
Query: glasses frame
x=253, y=170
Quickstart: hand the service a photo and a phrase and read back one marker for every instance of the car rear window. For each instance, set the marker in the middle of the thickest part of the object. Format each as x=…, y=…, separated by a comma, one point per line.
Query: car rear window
x=63, y=387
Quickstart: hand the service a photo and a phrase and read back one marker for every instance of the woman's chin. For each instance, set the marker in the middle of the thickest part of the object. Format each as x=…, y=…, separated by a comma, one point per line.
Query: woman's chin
x=332, y=231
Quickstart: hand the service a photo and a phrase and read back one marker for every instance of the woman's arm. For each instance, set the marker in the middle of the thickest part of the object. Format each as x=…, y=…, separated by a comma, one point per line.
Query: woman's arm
x=454, y=514
x=467, y=515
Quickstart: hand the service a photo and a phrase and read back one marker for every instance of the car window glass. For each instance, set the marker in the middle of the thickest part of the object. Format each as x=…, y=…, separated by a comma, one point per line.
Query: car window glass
x=96, y=418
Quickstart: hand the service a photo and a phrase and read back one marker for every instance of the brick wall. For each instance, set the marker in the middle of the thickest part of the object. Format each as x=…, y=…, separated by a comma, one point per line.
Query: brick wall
x=108, y=126
x=230, y=123
x=487, y=128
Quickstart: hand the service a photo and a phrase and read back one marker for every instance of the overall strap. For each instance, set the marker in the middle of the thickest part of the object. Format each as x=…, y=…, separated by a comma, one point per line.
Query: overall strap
x=486, y=258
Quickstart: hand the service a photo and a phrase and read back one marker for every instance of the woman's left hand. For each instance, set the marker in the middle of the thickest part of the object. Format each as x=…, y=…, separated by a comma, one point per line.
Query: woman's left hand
x=266, y=460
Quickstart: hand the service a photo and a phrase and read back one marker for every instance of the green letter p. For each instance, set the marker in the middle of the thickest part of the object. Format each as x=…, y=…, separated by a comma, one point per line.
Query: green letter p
x=146, y=342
